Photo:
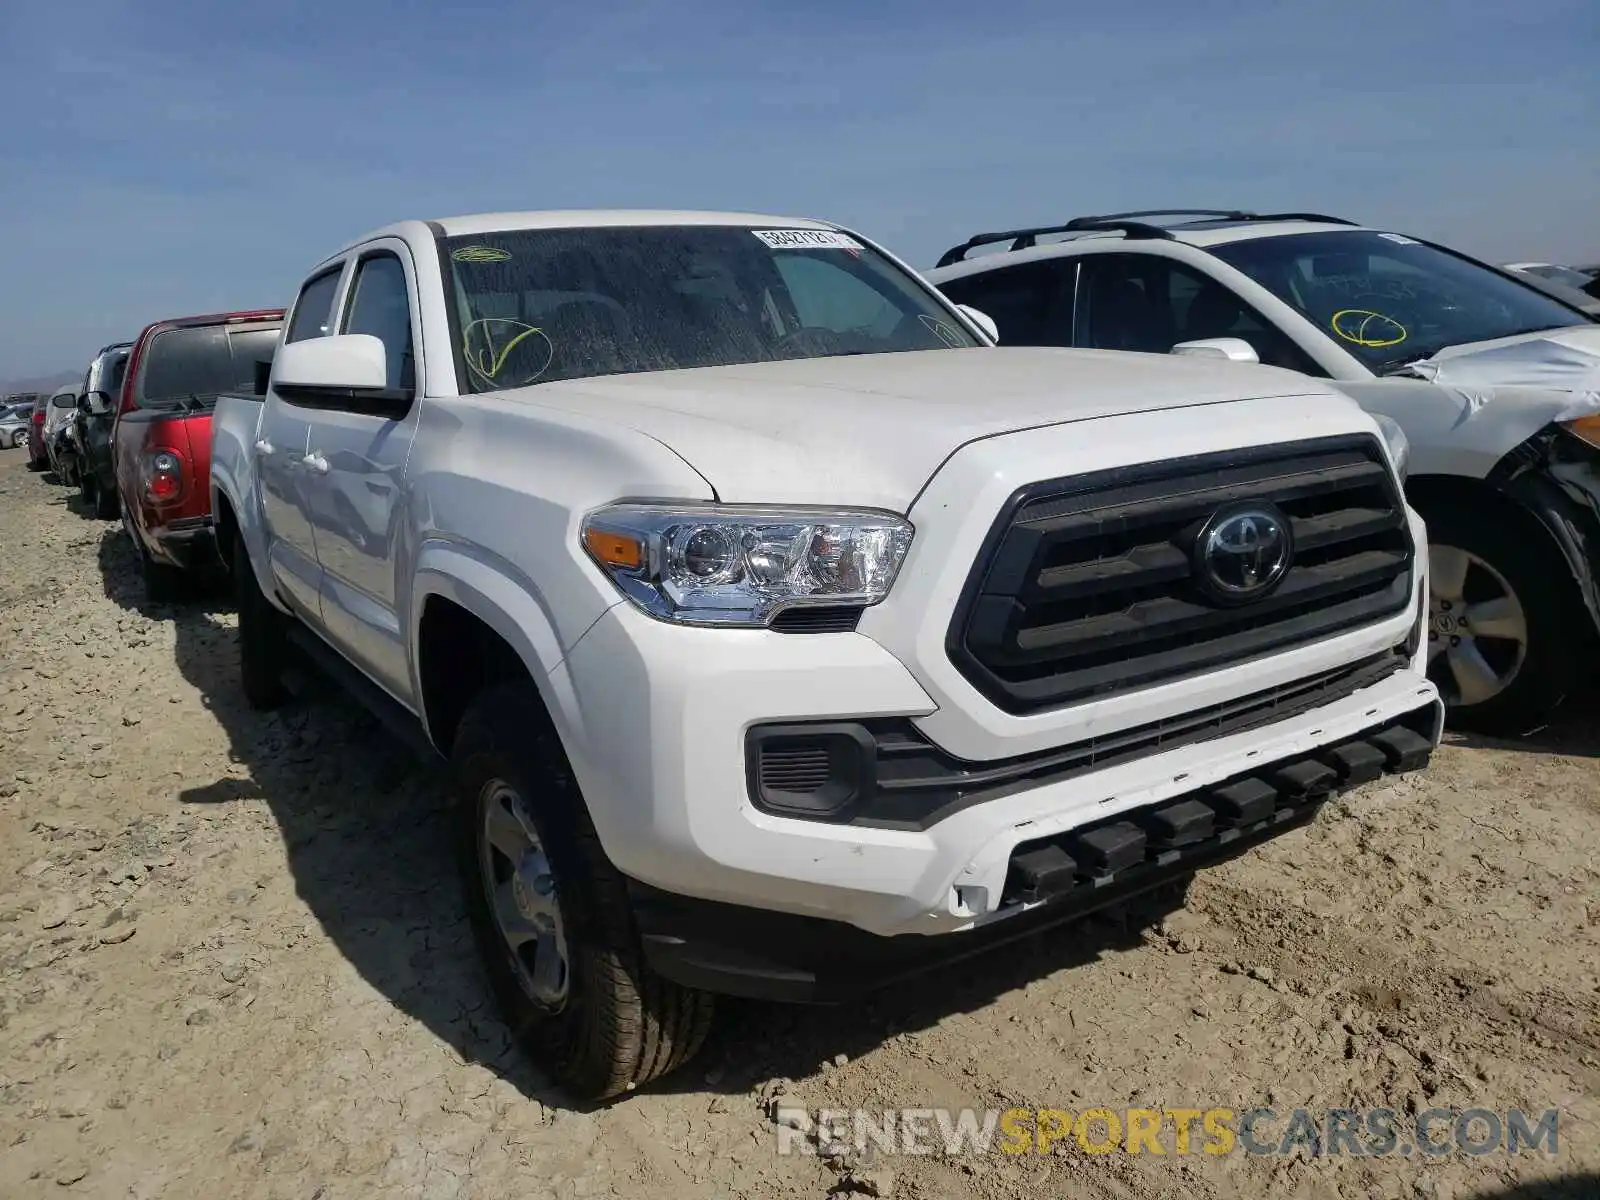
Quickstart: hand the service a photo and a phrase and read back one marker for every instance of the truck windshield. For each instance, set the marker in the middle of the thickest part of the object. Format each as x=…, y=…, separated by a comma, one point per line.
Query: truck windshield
x=1391, y=300
x=200, y=362
x=540, y=305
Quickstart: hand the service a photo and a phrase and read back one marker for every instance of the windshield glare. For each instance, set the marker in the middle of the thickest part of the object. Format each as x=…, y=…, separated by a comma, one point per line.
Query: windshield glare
x=540, y=305
x=1391, y=300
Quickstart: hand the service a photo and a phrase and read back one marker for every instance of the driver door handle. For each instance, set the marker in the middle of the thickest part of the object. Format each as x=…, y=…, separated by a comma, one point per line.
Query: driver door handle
x=316, y=462
x=263, y=447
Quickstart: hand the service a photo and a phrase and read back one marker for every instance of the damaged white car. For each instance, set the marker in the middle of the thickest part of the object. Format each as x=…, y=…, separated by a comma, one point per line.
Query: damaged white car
x=1495, y=384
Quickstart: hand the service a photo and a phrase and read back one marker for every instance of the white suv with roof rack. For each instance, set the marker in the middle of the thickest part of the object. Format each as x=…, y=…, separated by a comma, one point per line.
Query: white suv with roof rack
x=1495, y=383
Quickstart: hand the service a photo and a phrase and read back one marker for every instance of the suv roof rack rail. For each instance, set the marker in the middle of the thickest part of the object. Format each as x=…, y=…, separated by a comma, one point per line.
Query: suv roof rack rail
x=1324, y=218
x=1130, y=224
x=1022, y=239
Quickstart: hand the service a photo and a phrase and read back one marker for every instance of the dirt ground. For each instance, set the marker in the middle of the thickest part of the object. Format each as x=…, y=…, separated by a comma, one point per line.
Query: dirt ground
x=233, y=962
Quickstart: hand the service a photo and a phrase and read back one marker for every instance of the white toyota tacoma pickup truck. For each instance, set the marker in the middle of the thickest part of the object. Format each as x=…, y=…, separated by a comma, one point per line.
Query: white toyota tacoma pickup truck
x=785, y=635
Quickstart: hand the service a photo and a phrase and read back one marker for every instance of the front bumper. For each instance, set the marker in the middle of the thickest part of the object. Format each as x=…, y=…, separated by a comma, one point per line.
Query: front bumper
x=655, y=720
x=743, y=951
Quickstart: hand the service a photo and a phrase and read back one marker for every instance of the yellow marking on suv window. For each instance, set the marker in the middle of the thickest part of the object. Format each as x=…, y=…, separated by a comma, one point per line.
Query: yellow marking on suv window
x=1363, y=327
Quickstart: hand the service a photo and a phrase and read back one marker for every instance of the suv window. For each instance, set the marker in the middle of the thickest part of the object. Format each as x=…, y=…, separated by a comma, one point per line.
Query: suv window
x=1031, y=304
x=313, y=311
x=1148, y=303
x=380, y=304
x=115, y=372
x=201, y=362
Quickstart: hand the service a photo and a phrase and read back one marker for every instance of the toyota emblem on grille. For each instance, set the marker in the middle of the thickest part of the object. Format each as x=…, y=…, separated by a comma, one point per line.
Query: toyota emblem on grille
x=1243, y=551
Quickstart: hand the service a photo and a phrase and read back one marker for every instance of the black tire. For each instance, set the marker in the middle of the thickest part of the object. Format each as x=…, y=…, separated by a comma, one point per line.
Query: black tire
x=107, y=504
x=162, y=583
x=619, y=1025
x=1559, y=634
x=263, y=647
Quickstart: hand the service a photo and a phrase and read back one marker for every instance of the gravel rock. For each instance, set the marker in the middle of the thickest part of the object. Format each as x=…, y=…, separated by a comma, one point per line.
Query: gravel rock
x=117, y=933
x=869, y=1181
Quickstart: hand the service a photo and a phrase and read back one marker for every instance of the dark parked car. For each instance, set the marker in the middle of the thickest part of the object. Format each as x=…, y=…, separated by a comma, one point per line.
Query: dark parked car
x=91, y=429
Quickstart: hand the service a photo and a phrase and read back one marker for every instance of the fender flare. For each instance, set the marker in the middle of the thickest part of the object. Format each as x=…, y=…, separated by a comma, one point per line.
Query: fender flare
x=1561, y=492
x=509, y=603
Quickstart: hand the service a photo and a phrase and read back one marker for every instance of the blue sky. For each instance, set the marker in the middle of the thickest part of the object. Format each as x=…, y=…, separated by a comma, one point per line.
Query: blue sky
x=161, y=157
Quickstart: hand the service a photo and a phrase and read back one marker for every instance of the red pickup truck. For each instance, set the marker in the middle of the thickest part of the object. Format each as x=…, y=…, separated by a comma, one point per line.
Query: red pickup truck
x=161, y=441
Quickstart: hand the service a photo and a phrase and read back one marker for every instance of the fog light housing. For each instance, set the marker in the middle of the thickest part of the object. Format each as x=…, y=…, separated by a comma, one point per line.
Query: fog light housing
x=815, y=771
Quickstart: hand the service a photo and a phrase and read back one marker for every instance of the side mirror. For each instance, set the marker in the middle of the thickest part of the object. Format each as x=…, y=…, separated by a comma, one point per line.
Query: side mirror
x=1231, y=348
x=98, y=403
x=348, y=371
x=347, y=360
x=982, y=320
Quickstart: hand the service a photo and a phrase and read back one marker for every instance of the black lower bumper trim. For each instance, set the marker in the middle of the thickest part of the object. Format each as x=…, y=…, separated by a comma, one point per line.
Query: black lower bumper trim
x=766, y=955
x=191, y=547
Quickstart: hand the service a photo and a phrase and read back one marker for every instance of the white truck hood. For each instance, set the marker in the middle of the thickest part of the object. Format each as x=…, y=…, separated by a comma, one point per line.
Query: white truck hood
x=870, y=430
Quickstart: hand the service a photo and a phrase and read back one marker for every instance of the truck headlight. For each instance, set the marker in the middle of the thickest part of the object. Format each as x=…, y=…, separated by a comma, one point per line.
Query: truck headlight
x=1399, y=445
x=736, y=565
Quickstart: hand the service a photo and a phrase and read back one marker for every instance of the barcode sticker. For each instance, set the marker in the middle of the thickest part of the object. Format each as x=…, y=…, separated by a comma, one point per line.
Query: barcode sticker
x=807, y=239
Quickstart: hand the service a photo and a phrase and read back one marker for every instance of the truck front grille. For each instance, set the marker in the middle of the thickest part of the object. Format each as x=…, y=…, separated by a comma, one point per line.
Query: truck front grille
x=1098, y=584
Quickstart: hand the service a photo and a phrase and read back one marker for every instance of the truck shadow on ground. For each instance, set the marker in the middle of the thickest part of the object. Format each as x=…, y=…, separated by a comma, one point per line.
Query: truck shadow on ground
x=1585, y=1186
x=1574, y=731
x=366, y=830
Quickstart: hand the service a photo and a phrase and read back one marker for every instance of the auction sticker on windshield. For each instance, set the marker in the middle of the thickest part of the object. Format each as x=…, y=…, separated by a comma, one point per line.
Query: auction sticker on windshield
x=807, y=239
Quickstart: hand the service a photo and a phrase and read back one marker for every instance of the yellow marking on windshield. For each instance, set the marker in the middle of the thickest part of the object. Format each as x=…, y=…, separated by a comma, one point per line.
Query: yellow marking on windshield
x=481, y=254
x=486, y=362
x=1363, y=327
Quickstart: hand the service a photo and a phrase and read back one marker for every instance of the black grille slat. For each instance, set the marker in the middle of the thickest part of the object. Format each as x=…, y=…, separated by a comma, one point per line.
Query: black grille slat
x=1315, y=533
x=1141, y=565
x=1191, y=658
x=1183, y=618
x=1087, y=586
x=1083, y=519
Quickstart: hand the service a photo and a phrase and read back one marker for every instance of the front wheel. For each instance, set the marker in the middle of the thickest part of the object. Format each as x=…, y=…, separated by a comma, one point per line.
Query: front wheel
x=1506, y=624
x=551, y=913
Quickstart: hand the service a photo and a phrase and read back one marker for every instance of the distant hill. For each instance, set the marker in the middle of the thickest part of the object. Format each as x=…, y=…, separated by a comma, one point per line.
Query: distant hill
x=39, y=383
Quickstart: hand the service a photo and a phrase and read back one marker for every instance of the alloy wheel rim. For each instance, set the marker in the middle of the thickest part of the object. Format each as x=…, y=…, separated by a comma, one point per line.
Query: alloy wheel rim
x=519, y=886
x=1477, y=628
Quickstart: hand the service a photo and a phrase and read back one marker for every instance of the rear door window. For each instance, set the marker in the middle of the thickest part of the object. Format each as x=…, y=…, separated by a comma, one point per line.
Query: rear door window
x=1031, y=304
x=201, y=362
x=1150, y=303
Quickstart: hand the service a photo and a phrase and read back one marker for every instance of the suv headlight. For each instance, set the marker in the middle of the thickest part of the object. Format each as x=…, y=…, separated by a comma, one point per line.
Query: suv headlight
x=1399, y=445
x=735, y=565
